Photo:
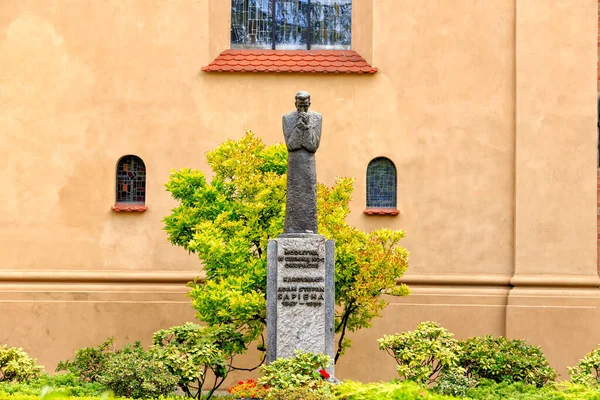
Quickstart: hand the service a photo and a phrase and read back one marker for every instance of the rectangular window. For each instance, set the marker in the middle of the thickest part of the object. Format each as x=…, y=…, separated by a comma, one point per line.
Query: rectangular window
x=291, y=24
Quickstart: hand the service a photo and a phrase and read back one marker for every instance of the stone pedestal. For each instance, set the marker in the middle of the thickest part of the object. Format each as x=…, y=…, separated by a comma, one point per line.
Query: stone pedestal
x=300, y=295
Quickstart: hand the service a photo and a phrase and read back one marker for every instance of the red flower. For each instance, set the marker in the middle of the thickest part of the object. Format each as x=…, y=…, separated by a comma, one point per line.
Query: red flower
x=248, y=389
x=324, y=374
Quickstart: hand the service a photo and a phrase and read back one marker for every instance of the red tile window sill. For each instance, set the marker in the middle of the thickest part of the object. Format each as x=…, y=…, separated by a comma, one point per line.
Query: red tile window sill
x=298, y=61
x=382, y=211
x=118, y=207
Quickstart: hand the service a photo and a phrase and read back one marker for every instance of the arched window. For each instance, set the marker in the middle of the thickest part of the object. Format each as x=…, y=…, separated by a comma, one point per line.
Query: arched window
x=381, y=185
x=131, y=184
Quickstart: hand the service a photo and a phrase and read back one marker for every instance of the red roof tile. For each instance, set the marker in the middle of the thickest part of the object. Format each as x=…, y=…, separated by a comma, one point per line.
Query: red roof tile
x=299, y=61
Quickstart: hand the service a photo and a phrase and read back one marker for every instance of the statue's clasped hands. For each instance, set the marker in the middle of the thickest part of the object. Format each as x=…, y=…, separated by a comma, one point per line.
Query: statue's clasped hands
x=302, y=121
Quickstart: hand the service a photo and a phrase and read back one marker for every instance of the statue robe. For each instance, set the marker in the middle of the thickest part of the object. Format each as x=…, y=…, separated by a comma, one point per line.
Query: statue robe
x=301, y=202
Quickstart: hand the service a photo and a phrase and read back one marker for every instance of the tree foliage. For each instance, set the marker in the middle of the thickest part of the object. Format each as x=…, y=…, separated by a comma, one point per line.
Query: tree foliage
x=229, y=220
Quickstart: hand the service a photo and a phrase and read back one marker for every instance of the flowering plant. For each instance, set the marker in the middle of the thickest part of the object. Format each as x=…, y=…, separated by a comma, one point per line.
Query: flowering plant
x=249, y=389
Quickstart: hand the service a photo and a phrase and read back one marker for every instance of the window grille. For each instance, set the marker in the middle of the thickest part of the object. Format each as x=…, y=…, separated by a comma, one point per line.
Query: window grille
x=291, y=24
x=381, y=184
x=131, y=180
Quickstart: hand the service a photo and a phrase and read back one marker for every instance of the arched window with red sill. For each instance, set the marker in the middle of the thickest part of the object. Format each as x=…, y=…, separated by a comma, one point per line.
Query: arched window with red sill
x=381, y=187
x=130, y=184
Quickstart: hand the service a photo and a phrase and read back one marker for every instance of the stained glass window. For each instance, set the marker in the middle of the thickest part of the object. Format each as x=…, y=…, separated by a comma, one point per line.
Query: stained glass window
x=252, y=24
x=331, y=24
x=291, y=24
x=131, y=180
x=381, y=184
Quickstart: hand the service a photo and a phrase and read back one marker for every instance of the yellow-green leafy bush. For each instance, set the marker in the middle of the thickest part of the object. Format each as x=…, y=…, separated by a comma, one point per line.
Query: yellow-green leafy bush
x=587, y=370
x=228, y=219
x=191, y=352
x=16, y=365
x=423, y=354
x=304, y=370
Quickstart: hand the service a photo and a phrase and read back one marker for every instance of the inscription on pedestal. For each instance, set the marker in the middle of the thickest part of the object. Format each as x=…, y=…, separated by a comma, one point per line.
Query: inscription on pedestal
x=290, y=296
x=298, y=295
x=301, y=266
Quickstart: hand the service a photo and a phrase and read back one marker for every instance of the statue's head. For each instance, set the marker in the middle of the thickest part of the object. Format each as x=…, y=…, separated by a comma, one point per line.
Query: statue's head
x=302, y=101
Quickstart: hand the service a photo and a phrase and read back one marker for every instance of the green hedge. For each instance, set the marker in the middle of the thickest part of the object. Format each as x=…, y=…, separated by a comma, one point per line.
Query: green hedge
x=66, y=383
x=349, y=390
x=6, y=396
x=488, y=390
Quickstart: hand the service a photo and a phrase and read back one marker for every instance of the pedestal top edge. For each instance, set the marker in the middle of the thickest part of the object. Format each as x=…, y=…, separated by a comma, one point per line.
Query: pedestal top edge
x=299, y=236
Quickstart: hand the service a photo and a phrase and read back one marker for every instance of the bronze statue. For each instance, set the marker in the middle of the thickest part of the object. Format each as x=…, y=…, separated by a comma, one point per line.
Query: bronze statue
x=302, y=132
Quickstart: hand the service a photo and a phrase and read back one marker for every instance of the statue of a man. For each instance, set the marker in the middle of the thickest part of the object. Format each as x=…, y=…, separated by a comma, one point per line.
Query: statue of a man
x=302, y=132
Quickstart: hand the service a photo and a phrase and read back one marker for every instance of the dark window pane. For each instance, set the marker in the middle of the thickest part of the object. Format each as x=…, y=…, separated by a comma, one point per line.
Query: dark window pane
x=291, y=21
x=131, y=180
x=331, y=24
x=381, y=184
x=251, y=24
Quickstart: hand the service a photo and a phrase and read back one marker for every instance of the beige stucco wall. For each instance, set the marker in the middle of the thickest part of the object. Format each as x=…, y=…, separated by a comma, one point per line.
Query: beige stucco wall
x=485, y=107
x=555, y=300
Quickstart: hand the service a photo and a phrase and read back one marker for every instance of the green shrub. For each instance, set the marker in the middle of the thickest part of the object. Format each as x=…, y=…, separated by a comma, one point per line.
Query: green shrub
x=454, y=383
x=89, y=361
x=134, y=372
x=423, y=354
x=586, y=372
x=349, y=390
x=190, y=351
x=17, y=366
x=299, y=371
x=504, y=360
x=131, y=372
